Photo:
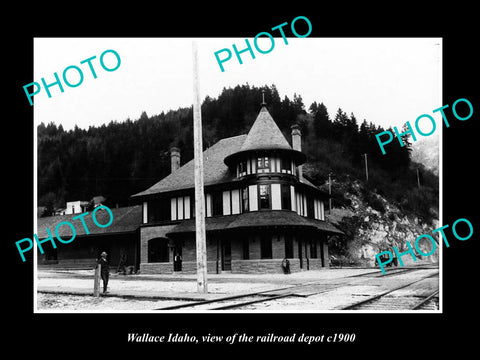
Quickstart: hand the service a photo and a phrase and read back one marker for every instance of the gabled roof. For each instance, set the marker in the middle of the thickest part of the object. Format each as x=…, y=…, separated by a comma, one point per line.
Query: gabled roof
x=214, y=169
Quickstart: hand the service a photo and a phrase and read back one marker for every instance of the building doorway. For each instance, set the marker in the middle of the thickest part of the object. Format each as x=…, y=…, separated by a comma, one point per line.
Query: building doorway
x=322, y=253
x=300, y=255
x=226, y=254
x=177, y=256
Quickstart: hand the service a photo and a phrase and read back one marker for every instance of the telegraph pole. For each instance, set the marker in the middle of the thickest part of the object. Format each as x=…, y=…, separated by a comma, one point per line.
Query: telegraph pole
x=199, y=192
x=418, y=178
x=366, y=165
x=329, y=192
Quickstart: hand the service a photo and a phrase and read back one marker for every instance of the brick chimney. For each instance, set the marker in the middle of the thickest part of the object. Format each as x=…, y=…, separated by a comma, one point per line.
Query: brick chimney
x=175, y=158
x=297, y=145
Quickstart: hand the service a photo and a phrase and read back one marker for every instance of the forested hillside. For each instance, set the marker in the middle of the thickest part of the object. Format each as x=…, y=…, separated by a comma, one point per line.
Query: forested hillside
x=122, y=158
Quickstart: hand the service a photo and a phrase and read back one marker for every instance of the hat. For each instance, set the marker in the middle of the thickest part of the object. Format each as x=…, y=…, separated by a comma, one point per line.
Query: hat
x=103, y=253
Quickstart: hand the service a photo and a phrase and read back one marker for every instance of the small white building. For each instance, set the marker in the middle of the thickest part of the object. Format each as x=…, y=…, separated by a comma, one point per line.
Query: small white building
x=76, y=207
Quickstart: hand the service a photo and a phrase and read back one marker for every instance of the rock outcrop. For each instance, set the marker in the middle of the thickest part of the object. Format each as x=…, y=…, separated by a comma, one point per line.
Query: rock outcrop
x=370, y=231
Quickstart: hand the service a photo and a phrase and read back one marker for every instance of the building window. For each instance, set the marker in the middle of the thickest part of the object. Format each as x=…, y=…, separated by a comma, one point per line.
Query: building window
x=159, y=210
x=310, y=208
x=245, y=200
x=179, y=208
x=217, y=203
x=288, y=246
x=242, y=168
x=263, y=164
x=286, y=197
x=266, y=247
x=286, y=166
x=301, y=204
x=192, y=206
x=264, y=196
x=158, y=250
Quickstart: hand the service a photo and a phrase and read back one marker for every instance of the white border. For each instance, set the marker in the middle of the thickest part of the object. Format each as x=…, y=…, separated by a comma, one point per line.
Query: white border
x=439, y=88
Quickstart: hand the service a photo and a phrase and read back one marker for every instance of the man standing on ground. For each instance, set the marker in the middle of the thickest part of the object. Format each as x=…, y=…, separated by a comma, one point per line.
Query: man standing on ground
x=104, y=271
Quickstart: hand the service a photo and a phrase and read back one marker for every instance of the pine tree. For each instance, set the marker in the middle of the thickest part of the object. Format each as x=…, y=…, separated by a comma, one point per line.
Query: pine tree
x=322, y=126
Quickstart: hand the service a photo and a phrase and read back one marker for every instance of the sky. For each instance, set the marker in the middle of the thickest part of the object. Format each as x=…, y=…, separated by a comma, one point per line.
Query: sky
x=387, y=81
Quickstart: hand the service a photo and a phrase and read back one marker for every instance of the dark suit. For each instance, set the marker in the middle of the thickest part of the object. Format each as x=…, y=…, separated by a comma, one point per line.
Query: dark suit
x=104, y=272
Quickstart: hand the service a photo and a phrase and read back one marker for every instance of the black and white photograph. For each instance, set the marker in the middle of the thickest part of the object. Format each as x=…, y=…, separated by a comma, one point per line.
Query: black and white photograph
x=211, y=181
x=298, y=198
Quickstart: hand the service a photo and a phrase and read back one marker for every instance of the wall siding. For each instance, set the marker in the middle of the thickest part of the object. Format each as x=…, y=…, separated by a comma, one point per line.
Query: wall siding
x=236, y=201
x=226, y=202
x=186, y=207
x=276, y=197
x=173, y=208
x=254, y=263
x=208, y=205
x=180, y=208
x=253, y=196
x=293, y=198
x=145, y=212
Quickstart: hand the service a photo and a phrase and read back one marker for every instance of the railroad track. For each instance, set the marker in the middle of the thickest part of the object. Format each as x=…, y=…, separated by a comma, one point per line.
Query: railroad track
x=299, y=290
x=429, y=303
x=391, y=271
x=235, y=301
x=389, y=301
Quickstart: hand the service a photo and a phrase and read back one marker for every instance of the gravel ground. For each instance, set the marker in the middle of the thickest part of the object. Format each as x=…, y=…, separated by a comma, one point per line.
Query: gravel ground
x=181, y=284
x=184, y=285
x=117, y=285
x=72, y=303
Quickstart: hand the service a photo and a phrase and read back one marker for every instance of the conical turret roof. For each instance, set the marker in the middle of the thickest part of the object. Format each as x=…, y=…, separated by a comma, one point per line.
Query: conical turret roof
x=265, y=135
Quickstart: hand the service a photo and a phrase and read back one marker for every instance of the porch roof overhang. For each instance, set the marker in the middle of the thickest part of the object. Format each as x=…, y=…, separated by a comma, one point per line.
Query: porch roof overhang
x=257, y=219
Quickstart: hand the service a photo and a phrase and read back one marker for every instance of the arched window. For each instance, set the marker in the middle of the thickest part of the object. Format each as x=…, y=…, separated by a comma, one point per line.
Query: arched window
x=158, y=250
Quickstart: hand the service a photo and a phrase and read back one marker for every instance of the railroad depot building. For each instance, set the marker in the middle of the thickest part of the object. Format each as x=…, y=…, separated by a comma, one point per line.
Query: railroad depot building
x=259, y=208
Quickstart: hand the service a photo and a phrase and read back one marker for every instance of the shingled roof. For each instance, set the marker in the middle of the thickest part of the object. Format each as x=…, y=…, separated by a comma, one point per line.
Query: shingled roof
x=257, y=219
x=265, y=135
x=125, y=219
x=214, y=169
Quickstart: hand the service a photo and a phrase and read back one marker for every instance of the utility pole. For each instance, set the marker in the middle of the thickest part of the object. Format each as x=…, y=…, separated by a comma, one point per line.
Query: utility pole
x=366, y=165
x=199, y=192
x=418, y=178
x=96, y=280
x=329, y=193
